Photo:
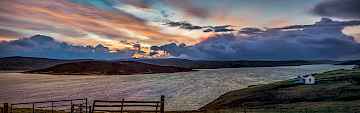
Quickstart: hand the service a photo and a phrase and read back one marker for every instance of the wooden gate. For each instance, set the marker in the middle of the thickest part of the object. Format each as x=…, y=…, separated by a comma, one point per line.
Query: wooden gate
x=124, y=105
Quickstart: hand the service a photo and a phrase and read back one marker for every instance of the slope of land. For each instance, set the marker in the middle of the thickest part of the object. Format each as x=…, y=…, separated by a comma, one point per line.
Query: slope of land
x=204, y=64
x=29, y=63
x=352, y=62
x=32, y=63
x=337, y=90
x=107, y=68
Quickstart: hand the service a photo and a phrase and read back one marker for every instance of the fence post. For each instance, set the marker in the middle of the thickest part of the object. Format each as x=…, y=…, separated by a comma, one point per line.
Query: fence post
x=93, y=106
x=6, y=107
x=11, y=108
x=33, y=108
x=244, y=107
x=86, y=105
x=162, y=104
x=72, y=108
x=52, y=107
x=157, y=107
x=122, y=105
x=81, y=108
x=89, y=109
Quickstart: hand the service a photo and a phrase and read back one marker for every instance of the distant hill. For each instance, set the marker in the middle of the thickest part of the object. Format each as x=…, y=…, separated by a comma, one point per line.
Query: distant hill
x=18, y=63
x=107, y=68
x=352, y=62
x=31, y=63
x=203, y=64
x=337, y=89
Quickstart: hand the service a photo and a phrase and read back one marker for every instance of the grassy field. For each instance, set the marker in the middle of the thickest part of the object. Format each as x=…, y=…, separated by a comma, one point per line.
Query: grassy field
x=335, y=92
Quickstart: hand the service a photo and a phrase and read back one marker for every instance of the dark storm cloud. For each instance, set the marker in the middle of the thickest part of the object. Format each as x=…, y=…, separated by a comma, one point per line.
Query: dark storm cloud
x=189, y=26
x=348, y=9
x=183, y=25
x=47, y=47
x=250, y=30
x=322, y=40
x=223, y=28
x=323, y=23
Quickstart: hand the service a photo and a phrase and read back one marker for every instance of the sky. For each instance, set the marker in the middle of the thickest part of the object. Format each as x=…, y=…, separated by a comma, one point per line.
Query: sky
x=193, y=29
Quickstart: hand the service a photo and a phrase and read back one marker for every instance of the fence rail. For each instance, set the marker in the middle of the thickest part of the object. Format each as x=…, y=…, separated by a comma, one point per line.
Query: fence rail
x=122, y=104
x=54, y=101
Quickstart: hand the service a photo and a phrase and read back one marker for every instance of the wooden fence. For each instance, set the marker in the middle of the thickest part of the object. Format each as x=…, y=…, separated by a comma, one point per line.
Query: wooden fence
x=4, y=108
x=73, y=105
x=123, y=105
x=82, y=106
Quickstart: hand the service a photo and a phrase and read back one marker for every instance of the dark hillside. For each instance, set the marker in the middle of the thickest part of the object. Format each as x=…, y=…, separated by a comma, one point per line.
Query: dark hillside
x=334, y=89
x=204, y=64
x=352, y=62
x=29, y=63
x=107, y=68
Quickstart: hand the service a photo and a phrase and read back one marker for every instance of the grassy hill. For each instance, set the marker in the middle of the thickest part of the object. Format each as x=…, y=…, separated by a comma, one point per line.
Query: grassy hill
x=107, y=68
x=18, y=63
x=207, y=64
x=352, y=62
x=335, y=91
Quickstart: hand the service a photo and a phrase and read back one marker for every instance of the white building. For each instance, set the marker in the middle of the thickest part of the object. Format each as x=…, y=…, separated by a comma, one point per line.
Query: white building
x=356, y=67
x=306, y=79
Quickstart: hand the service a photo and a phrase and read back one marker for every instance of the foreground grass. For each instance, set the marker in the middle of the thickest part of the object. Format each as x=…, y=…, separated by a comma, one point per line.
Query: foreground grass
x=29, y=110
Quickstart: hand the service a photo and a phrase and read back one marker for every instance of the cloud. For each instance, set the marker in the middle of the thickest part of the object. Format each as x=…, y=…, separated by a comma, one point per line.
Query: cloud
x=250, y=30
x=322, y=40
x=223, y=28
x=8, y=34
x=189, y=26
x=348, y=9
x=145, y=4
x=353, y=31
x=183, y=25
x=278, y=23
x=67, y=19
x=189, y=8
x=48, y=47
x=324, y=22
